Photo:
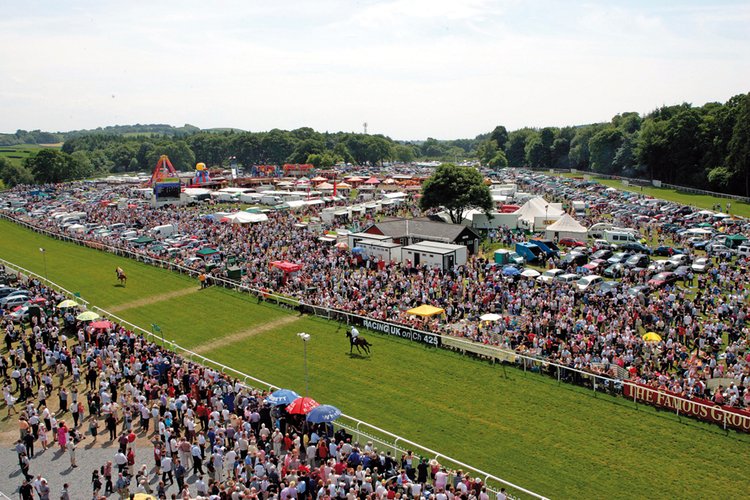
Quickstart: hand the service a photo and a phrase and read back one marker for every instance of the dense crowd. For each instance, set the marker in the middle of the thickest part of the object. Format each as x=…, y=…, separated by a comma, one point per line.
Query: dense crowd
x=703, y=326
x=210, y=436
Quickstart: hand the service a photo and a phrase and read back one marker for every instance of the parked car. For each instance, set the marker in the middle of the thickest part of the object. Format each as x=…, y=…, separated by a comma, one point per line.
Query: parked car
x=702, y=264
x=614, y=271
x=667, y=251
x=662, y=279
x=636, y=247
x=604, y=253
x=637, y=260
x=570, y=242
x=6, y=290
x=588, y=282
x=608, y=287
x=549, y=275
x=568, y=278
x=13, y=301
x=619, y=258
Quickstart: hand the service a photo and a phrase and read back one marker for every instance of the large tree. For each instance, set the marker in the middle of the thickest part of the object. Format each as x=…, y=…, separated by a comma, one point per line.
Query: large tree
x=457, y=189
x=739, y=146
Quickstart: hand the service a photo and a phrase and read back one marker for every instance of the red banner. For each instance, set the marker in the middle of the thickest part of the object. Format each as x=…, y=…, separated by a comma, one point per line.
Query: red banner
x=702, y=409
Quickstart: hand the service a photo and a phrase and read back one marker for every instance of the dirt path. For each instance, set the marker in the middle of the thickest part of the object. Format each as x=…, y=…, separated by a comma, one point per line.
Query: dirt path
x=152, y=299
x=244, y=334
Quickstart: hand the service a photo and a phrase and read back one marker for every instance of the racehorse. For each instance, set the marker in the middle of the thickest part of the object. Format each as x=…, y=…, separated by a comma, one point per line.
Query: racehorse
x=122, y=278
x=358, y=342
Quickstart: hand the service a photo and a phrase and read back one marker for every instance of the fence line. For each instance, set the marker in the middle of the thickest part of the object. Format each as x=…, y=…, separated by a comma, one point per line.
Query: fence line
x=539, y=364
x=357, y=423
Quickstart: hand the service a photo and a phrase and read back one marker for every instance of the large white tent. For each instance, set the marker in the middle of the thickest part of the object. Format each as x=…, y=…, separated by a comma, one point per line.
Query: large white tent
x=537, y=210
x=244, y=218
x=566, y=227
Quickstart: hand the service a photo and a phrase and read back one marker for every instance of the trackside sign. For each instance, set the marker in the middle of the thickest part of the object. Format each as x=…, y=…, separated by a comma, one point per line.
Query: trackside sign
x=403, y=332
x=702, y=409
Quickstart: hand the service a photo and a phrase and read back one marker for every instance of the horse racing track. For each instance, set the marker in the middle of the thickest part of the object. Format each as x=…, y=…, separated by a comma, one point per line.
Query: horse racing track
x=555, y=439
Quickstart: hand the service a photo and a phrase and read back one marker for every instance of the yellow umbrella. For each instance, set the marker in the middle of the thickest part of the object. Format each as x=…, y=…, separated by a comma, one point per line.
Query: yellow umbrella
x=68, y=303
x=87, y=316
x=652, y=337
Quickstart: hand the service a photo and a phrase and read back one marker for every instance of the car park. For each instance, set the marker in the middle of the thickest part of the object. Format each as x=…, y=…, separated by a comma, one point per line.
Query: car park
x=608, y=287
x=636, y=247
x=619, y=257
x=637, y=260
x=15, y=300
x=7, y=290
x=604, y=253
x=570, y=242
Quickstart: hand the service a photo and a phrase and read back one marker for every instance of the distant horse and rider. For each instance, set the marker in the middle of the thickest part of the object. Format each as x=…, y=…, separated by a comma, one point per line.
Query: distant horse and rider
x=121, y=277
x=356, y=341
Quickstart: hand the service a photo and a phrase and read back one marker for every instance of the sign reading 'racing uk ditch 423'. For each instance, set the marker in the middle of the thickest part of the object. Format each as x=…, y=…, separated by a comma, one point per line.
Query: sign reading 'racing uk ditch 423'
x=403, y=332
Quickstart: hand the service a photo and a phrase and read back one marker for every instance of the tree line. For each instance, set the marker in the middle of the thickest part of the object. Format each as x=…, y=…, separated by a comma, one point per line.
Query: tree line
x=706, y=147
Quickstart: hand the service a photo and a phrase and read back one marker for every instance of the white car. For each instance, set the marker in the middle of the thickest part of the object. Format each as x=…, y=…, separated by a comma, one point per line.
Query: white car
x=702, y=265
x=13, y=301
x=589, y=281
x=549, y=275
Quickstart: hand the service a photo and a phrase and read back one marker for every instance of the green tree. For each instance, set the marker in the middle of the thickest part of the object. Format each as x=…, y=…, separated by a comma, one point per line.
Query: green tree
x=457, y=189
x=500, y=136
x=739, y=146
x=80, y=166
x=403, y=153
x=516, y=152
x=486, y=151
x=535, y=152
x=49, y=166
x=499, y=161
x=603, y=147
x=276, y=146
x=12, y=174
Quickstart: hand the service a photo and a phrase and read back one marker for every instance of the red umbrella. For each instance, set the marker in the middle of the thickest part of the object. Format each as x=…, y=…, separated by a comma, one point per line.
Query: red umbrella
x=301, y=406
x=101, y=325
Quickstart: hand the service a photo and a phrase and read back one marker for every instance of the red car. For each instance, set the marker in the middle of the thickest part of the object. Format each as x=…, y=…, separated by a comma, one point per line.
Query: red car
x=662, y=279
x=570, y=242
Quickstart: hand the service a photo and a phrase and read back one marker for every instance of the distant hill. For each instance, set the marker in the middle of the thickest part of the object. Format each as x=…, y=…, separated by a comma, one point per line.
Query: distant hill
x=154, y=129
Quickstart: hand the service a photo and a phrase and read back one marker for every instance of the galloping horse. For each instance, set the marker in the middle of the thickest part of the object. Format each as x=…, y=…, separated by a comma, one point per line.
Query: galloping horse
x=122, y=278
x=358, y=342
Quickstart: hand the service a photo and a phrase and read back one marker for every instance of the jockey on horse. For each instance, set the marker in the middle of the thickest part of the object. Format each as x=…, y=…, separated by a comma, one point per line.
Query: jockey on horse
x=356, y=341
x=121, y=275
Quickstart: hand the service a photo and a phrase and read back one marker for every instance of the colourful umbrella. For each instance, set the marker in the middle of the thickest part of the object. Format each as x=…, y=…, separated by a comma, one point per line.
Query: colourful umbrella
x=301, y=406
x=282, y=397
x=323, y=413
x=652, y=337
x=87, y=316
x=101, y=325
x=67, y=303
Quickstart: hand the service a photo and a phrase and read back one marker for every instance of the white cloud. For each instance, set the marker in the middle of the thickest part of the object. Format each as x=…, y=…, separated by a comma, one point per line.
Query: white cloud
x=410, y=68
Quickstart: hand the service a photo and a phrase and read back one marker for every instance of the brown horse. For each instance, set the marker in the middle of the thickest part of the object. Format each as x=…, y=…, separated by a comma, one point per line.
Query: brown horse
x=121, y=277
x=358, y=342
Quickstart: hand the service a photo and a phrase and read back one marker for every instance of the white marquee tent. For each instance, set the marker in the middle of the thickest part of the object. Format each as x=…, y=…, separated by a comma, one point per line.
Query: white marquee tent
x=566, y=227
x=537, y=210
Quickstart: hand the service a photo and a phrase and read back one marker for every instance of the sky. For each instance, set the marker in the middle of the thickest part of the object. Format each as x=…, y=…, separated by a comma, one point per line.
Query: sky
x=410, y=69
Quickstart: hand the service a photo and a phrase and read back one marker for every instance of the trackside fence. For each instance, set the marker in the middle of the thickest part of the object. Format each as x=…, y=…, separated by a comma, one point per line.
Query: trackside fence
x=607, y=379
x=360, y=430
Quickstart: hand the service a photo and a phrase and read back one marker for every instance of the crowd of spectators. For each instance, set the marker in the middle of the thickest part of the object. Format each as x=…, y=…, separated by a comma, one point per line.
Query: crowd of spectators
x=208, y=435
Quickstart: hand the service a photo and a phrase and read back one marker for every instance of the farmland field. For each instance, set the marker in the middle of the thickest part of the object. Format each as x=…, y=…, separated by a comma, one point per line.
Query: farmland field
x=17, y=154
x=556, y=439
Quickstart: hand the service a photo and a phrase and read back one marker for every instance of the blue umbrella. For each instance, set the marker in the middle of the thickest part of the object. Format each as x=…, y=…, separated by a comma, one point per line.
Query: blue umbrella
x=323, y=413
x=511, y=271
x=358, y=250
x=282, y=397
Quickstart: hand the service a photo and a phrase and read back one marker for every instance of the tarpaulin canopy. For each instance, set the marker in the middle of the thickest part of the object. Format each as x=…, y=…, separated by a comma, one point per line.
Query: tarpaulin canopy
x=426, y=311
x=143, y=240
x=205, y=252
x=372, y=180
x=286, y=266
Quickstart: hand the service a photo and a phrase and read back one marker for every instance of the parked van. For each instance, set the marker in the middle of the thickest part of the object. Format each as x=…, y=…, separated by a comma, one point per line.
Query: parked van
x=271, y=200
x=619, y=237
x=743, y=251
x=164, y=231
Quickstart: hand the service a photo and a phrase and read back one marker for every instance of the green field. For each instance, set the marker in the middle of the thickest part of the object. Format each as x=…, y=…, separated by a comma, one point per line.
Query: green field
x=556, y=439
x=695, y=200
x=17, y=154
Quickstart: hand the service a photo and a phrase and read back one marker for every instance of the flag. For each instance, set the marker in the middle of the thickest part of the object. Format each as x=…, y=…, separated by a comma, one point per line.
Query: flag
x=155, y=327
x=77, y=294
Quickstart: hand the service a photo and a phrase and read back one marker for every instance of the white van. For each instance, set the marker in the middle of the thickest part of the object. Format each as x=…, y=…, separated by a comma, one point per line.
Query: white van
x=743, y=251
x=619, y=237
x=164, y=231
